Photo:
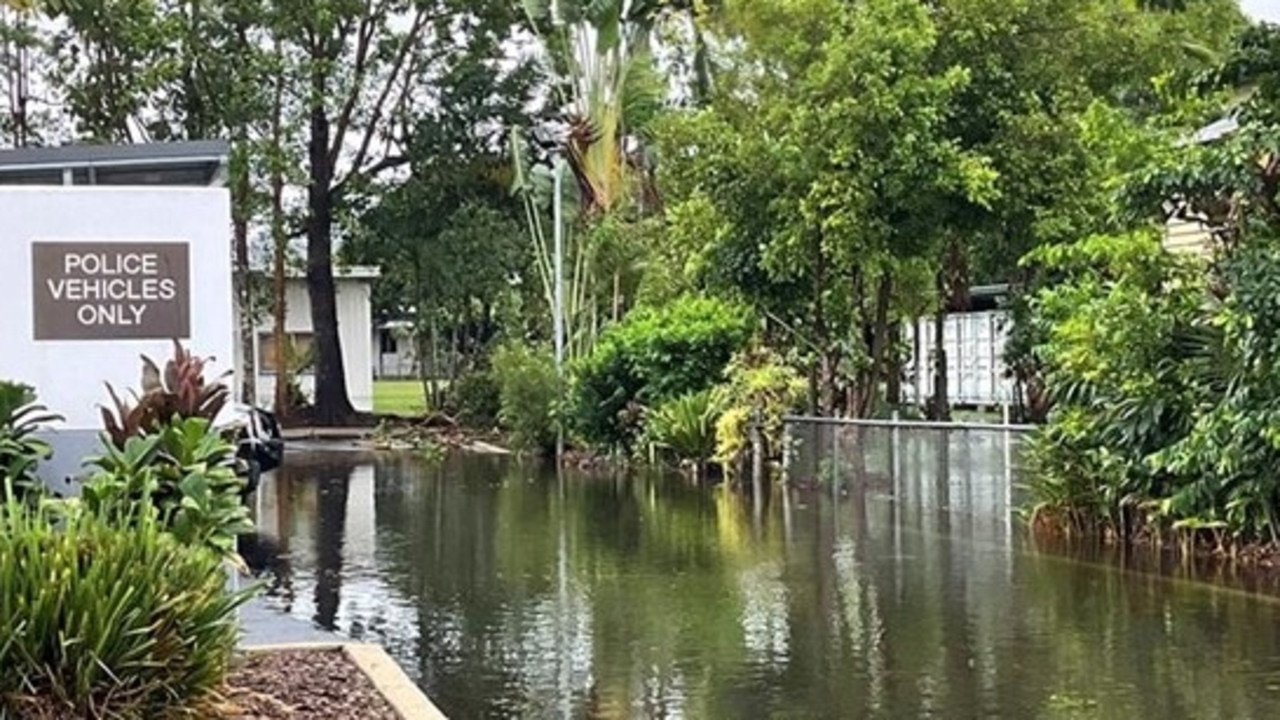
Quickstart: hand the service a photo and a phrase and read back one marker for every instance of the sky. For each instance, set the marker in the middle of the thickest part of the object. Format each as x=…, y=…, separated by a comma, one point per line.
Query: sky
x=1262, y=9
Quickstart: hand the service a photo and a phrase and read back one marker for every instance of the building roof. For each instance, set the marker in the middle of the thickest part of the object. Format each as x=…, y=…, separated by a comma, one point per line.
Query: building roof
x=341, y=272
x=199, y=162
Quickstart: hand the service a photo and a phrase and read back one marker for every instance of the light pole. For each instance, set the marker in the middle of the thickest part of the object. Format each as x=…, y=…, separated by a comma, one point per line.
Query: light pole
x=558, y=299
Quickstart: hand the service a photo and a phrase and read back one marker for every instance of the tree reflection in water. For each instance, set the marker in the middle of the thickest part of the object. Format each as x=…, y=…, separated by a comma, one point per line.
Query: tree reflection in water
x=901, y=590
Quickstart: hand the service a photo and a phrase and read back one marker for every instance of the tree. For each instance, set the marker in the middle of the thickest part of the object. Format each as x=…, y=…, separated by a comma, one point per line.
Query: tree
x=21, y=44
x=598, y=62
x=826, y=178
x=133, y=71
x=447, y=237
x=366, y=67
x=1042, y=78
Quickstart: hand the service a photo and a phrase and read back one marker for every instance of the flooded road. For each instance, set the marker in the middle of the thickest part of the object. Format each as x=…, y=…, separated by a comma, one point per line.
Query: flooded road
x=903, y=589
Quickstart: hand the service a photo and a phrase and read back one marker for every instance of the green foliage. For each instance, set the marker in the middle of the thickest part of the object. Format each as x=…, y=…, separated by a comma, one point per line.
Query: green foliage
x=529, y=392
x=187, y=471
x=1111, y=349
x=828, y=175
x=686, y=425
x=1161, y=369
x=654, y=355
x=477, y=398
x=20, y=450
x=108, y=616
x=14, y=396
x=760, y=387
x=1165, y=399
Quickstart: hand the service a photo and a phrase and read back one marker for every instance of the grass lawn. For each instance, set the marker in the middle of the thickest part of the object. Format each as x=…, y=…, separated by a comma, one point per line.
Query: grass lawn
x=402, y=397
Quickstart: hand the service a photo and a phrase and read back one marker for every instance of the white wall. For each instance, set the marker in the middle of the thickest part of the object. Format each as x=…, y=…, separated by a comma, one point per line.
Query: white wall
x=402, y=364
x=69, y=375
x=1187, y=236
x=355, y=330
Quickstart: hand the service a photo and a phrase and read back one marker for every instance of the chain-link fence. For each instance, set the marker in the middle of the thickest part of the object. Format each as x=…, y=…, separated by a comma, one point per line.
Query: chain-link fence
x=966, y=468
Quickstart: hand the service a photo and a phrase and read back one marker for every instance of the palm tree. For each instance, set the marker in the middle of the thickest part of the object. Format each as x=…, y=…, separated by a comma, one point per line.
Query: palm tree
x=598, y=58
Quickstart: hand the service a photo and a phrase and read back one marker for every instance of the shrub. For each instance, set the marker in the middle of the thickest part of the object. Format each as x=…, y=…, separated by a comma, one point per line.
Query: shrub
x=164, y=447
x=756, y=380
x=686, y=425
x=107, y=617
x=20, y=450
x=654, y=355
x=477, y=399
x=528, y=390
x=179, y=391
x=14, y=396
x=187, y=471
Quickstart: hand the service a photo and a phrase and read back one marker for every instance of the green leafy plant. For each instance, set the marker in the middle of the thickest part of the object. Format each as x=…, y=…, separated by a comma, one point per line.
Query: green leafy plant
x=1165, y=420
x=687, y=426
x=761, y=387
x=477, y=398
x=187, y=471
x=529, y=391
x=108, y=615
x=20, y=450
x=654, y=355
x=14, y=396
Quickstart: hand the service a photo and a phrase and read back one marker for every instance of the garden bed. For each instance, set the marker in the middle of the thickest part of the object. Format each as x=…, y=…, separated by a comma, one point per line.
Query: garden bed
x=324, y=681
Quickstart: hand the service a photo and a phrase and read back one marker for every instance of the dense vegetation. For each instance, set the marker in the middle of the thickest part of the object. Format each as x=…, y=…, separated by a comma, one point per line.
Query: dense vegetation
x=754, y=197
x=1162, y=368
x=116, y=604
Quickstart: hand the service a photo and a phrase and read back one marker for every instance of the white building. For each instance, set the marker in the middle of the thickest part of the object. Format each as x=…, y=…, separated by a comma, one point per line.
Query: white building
x=355, y=333
x=110, y=253
x=397, y=355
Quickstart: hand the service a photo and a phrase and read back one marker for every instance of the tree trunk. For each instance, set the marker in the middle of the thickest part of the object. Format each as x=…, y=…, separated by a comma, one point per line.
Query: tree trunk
x=422, y=347
x=893, y=367
x=279, y=243
x=941, y=407
x=240, y=198
x=617, y=297
x=436, y=391
x=827, y=384
x=332, y=403
x=828, y=355
x=869, y=387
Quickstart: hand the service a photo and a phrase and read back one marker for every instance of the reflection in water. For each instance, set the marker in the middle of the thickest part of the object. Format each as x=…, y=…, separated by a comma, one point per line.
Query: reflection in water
x=900, y=590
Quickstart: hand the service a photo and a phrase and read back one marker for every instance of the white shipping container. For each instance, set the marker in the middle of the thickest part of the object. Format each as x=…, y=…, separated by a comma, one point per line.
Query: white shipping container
x=974, y=343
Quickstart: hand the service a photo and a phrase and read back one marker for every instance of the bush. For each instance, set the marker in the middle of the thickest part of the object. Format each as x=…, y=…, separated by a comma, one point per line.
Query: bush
x=757, y=380
x=179, y=391
x=654, y=355
x=187, y=471
x=164, y=447
x=14, y=396
x=476, y=399
x=1165, y=403
x=107, y=617
x=687, y=426
x=20, y=450
x=528, y=390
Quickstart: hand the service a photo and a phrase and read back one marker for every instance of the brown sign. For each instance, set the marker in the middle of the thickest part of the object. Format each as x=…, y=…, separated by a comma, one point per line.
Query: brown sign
x=111, y=291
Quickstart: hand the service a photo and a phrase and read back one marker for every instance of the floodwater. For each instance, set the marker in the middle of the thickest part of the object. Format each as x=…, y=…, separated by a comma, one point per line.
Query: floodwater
x=892, y=582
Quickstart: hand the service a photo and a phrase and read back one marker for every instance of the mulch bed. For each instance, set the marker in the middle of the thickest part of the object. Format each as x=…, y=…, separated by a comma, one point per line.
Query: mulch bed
x=302, y=685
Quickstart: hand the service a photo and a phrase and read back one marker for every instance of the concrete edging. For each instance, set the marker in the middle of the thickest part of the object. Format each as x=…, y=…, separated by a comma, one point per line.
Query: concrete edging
x=407, y=699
